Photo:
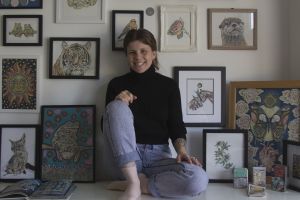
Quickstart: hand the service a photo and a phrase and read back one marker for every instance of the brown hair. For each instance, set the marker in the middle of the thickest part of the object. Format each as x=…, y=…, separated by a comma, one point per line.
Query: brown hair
x=143, y=36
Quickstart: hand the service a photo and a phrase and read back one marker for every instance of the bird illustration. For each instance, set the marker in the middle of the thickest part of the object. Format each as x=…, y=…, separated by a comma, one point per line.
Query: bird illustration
x=177, y=28
x=131, y=25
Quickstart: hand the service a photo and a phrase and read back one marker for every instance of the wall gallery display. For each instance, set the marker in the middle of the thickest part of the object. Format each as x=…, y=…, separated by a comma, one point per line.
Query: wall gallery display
x=22, y=30
x=178, y=28
x=19, y=77
x=122, y=22
x=21, y=4
x=232, y=29
x=19, y=152
x=80, y=12
x=270, y=111
x=202, y=95
x=74, y=58
x=224, y=150
x=68, y=144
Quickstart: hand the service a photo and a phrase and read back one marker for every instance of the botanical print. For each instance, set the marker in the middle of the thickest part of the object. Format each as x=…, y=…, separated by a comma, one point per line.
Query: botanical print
x=79, y=4
x=270, y=115
x=19, y=3
x=68, y=143
x=132, y=24
x=177, y=28
x=296, y=166
x=19, y=31
x=19, y=82
x=222, y=157
x=199, y=97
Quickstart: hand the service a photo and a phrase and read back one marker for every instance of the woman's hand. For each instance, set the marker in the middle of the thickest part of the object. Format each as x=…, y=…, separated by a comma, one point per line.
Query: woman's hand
x=189, y=159
x=126, y=97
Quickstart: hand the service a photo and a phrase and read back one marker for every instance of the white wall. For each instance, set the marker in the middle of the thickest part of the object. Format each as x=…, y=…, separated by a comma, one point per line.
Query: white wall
x=267, y=63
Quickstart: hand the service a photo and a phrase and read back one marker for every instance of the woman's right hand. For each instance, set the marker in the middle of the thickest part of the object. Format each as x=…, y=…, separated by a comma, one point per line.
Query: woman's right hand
x=126, y=97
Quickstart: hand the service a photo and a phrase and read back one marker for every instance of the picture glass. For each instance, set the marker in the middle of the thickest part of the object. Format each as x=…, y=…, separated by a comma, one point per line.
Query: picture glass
x=23, y=4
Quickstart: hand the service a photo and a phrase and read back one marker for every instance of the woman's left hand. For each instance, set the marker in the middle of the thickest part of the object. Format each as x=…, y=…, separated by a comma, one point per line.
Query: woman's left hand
x=190, y=159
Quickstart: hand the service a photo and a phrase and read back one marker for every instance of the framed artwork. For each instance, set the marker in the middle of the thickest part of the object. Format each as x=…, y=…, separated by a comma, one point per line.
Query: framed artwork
x=21, y=4
x=80, y=12
x=68, y=144
x=178, y=28
x=19, y=152
x=202, y=95
x=291, y=158
x=22, y=30
x=74, y=58
x=122, y=22
x=270, y=111
x=19, y=83
x=223, y=150
x=232, y=29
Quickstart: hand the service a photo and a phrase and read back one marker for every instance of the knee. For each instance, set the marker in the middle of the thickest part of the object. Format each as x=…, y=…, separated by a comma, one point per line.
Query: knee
x=117, y=107
x=198, y=182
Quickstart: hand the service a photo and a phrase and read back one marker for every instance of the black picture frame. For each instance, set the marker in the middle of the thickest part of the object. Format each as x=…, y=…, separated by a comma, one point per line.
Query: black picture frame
x=121, y=21
x=37, y=4
x=292, y=163
x=22, y=30
x=29, y=135
x=89, y=56
x=198, y=111
x=218, y=158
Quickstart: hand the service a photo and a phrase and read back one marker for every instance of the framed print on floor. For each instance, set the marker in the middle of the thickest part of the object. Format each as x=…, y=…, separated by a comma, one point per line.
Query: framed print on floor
x=202, y=95
x=68, y=144
x=21, y=4
x=178, y=28
x=19, y=152
x=22, y=30
x=223, y=150
x=232, y=29
x=74, y=58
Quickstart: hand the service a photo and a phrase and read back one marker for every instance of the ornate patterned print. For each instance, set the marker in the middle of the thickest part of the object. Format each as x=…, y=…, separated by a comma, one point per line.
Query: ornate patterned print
x=79, y=4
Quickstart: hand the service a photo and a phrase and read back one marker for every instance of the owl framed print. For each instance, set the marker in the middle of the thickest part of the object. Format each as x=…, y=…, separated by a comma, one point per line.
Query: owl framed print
x=122, y=22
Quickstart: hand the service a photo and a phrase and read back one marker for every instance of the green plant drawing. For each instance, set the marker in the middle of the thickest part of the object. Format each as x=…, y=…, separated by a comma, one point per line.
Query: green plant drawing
x=222, y=156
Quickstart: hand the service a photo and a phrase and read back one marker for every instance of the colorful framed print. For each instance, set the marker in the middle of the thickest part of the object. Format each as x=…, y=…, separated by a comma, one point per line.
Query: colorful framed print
x=80, y=12
x=224, y=150
x=68, y=143
x=178, y=28
x=22, y=30
x=202, y=95
x=74, y=58
x=270, y=111
x=122, y=22
x=19, y=152
x=232, y=29
x=21, y=4
x=291, y=158
x=19, y=83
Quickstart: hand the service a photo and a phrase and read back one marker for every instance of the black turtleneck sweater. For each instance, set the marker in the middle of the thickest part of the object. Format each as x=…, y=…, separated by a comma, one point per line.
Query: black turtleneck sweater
x=157, y=109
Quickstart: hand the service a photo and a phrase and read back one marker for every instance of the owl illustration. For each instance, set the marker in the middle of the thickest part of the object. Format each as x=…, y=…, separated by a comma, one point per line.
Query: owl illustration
x=131, y=25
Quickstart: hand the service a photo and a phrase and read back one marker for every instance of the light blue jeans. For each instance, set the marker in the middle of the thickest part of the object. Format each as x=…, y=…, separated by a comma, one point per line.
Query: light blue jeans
x=167, y=178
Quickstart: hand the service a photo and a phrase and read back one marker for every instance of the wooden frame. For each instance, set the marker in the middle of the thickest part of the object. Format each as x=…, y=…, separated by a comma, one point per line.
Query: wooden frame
x=178, y=28
x=11, y=4
x=291, y=158
x=22, y=30
x=79, y=12
x=270, y=111
x=223, y=150
x=68, y=145
x=122, y=22
x=232, y=29
x=26, y=138
x=202, y=95
x=65, y=65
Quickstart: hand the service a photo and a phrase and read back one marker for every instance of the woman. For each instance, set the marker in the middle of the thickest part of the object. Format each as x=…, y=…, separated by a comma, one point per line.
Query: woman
x=143, y=112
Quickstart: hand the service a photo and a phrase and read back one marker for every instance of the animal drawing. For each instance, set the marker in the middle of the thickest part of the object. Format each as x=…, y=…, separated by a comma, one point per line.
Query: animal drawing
x=177, y=28
x=201, y=96
x=131, y=25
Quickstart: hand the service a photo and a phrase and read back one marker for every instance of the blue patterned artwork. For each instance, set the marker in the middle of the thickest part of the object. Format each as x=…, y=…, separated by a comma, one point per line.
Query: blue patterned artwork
x=21, y=4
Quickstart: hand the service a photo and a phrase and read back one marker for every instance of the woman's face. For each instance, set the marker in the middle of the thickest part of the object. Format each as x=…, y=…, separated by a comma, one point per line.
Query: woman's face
x=140, y=56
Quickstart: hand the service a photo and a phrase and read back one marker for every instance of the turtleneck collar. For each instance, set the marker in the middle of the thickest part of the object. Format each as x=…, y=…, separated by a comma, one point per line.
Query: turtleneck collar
x=145, y=74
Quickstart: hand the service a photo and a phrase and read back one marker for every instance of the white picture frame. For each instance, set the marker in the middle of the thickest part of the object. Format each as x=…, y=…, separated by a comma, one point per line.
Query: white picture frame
x=83, y=14
x=178, y=28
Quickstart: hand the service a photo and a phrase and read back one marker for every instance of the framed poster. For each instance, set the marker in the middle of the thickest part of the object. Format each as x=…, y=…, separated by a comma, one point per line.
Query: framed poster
x=202, y=95
x=19, y=152
x=68, y=143
x=21, y=4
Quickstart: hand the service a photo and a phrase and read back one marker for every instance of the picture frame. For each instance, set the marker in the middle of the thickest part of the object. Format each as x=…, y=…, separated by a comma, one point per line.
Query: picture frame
x=223, y=150
x=20, y=83
x=80, y=13
x=202, y=95
x=11, y=4
x=81, y=58
x=178, y=28
x=222, y=22
x=22, y=30
x=291, y=158
x=20, y=145
x=68, y=144
x=122, y=22
x=269, y=111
